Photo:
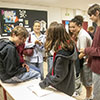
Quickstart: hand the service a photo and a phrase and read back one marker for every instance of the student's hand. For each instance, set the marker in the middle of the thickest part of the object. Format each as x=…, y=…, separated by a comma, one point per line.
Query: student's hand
x=26, y=66
x=38, y=42
x=87, y=60
x=81, y=50
x=81, y=55
x=42, y=85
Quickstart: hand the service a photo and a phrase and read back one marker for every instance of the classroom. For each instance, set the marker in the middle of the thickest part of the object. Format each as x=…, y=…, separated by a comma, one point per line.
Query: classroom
x=39, y=20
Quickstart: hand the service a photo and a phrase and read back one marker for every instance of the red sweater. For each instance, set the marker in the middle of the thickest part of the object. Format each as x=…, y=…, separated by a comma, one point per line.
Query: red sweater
x=20, y=49
x=94, y=53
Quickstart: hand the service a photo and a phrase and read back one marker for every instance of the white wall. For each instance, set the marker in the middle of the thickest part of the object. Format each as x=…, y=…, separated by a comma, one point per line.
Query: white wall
x=54, y=13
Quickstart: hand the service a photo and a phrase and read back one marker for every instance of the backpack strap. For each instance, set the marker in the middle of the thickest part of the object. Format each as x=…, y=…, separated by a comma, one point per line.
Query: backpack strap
x=29, y=38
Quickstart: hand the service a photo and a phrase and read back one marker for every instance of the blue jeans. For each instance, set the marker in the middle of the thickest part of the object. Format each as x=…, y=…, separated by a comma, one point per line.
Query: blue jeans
x=39, y=67
x=50, y=62
x=32, y=74
x=33, y=67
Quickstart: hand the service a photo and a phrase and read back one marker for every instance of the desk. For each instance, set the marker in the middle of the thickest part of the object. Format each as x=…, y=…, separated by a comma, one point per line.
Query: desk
x=20, y=91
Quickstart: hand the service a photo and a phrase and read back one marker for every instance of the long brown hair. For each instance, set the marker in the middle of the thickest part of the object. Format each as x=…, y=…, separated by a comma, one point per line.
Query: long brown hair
x=57, y=36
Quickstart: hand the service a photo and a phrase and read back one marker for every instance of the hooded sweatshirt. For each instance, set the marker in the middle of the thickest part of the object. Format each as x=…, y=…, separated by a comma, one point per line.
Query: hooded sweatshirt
x=63, y=76
x=9, y=60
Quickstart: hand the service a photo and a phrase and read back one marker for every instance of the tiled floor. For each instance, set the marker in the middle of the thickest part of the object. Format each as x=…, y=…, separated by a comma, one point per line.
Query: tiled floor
x=81, y=97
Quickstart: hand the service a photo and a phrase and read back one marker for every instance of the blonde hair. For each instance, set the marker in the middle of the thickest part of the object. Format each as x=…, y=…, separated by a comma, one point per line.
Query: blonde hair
x=91, y=28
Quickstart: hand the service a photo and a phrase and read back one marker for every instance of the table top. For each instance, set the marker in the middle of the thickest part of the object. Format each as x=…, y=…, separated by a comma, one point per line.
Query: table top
x=21, y=91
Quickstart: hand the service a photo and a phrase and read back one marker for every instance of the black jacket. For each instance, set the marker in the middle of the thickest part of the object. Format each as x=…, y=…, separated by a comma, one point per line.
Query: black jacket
x=9, y=60
x=63, y=78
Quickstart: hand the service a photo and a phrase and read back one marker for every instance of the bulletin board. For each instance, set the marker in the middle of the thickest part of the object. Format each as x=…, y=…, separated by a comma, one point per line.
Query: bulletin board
x=10, y=17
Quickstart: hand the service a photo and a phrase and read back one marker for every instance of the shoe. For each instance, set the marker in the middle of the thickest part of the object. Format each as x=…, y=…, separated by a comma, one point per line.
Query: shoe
x=88, y=99
x=76, y=93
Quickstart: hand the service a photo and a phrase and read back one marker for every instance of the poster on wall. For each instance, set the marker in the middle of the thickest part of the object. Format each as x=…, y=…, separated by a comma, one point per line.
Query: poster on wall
x=10, y=17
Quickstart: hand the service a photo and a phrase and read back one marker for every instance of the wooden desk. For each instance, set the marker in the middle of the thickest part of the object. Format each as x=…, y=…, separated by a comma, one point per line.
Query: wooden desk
x=21, y=92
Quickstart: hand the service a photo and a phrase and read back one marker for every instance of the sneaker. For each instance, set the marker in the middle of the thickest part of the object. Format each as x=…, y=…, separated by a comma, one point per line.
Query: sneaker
x=88, y=99
x=76, y=93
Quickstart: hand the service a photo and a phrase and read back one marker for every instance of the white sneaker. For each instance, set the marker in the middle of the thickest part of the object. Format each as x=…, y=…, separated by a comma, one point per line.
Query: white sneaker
x=76, y=93
x=90, y=98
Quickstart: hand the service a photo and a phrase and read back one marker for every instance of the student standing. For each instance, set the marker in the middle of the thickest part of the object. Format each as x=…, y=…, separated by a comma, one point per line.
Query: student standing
x=93, y=52
x=61, y=76
x=78, y=85
x=50, y=54
x=83, y=40
x=37, y=41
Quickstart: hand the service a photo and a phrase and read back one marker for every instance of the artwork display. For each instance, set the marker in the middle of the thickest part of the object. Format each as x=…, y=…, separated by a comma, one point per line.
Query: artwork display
x=9, y=18
x=8, y=28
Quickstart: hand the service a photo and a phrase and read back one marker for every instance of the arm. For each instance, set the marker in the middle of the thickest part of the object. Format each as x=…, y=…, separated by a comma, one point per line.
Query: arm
x=61, y=71
x=82, y=42
x=92, y=51
x=26, y=66
x=95, y=49
x=12, y=62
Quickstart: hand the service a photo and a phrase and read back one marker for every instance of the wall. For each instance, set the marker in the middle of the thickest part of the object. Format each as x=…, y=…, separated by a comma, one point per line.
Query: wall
x=54, y=13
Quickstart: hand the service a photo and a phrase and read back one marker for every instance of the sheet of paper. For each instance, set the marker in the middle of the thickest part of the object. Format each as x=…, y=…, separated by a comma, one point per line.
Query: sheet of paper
x=36, y=89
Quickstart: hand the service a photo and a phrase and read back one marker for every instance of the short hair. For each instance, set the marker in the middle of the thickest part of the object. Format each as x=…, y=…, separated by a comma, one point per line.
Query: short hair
x=92, y=9
x=20, y=31
x=36, y=21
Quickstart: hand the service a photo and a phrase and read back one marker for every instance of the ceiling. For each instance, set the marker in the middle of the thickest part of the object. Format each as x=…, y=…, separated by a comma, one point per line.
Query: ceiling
x=74, y=4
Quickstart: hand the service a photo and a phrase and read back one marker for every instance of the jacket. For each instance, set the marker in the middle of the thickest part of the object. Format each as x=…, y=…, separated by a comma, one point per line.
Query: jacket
x=38, y=50
x=94, y=53
x=63, y=78
x=9, y=61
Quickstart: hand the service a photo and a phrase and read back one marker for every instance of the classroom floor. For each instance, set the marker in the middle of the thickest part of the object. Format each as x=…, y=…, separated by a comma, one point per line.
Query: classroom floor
x=81, y=97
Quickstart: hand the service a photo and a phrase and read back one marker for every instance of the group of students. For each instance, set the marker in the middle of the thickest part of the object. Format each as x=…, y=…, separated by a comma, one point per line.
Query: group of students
x=65, y=49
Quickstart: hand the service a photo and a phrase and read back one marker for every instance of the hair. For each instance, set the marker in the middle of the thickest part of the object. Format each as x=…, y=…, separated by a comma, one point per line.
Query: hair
x=78, y=20
x=53, y=24
x=91, y=28
x=20, y=31
x=92, y=9
x=36, y=21
x=57, y=36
